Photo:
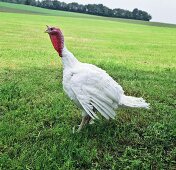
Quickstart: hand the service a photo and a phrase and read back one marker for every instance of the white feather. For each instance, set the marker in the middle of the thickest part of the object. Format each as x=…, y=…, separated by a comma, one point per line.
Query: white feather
x=92, y=88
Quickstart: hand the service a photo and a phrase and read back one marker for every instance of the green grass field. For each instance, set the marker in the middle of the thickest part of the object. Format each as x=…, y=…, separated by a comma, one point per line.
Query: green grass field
x=36, y=116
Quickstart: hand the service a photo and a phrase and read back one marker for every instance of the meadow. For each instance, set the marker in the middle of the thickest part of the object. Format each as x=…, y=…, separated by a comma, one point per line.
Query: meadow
x=36, y=116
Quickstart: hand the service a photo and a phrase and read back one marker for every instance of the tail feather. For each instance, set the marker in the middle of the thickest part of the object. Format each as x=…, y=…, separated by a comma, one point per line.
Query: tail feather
x=130, y=101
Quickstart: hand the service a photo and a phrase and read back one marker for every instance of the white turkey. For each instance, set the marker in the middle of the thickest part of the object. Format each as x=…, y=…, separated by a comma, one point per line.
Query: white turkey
x=90, y=87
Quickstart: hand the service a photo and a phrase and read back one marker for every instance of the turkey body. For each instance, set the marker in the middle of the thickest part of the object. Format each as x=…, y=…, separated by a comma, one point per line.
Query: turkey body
x=92, y=89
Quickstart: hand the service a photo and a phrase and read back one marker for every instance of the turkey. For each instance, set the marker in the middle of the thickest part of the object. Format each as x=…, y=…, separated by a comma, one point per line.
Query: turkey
x=90, y=87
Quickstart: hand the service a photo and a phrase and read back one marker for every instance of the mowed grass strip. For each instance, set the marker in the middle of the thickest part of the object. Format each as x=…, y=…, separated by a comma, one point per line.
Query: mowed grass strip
x=37, y=117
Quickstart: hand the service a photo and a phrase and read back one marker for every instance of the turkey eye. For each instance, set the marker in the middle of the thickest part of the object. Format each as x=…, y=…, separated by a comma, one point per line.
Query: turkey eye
x=51, y=29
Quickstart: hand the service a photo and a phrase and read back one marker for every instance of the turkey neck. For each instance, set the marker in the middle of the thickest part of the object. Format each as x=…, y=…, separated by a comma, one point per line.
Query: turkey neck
x=68, y=59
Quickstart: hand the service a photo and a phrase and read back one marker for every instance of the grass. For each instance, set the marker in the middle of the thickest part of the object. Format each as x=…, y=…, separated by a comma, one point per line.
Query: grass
x=37, y=117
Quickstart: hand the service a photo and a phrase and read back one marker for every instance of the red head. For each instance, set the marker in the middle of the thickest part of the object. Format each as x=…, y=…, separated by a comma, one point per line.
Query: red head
x=57, y=38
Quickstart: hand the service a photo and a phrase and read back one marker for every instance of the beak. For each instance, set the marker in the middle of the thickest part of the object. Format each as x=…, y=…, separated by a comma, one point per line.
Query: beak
x=48, y=29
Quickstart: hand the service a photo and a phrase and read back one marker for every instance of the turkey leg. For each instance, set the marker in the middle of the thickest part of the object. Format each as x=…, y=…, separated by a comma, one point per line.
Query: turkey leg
x=85, y=120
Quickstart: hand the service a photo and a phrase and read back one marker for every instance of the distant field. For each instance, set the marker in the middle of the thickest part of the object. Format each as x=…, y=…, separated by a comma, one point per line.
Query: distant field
x=19, y=8
x=37, y=117
x=8, y=7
